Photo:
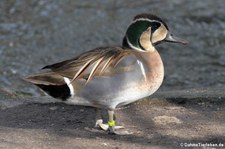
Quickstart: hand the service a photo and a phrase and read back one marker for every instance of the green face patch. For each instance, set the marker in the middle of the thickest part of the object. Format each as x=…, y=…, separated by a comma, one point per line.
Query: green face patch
x=135, y=30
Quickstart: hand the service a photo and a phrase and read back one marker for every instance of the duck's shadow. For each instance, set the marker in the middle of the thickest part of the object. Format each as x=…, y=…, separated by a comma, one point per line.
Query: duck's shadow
x=60, y=119
x=50, y=115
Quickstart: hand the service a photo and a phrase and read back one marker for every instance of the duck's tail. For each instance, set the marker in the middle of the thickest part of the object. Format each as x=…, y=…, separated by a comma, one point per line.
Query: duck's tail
x=53, y=84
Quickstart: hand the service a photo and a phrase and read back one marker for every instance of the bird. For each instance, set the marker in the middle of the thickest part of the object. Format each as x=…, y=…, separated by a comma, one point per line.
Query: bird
x=111, y=77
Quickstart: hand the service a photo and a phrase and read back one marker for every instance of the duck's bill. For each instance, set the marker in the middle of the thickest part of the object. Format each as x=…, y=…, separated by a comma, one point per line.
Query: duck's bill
x=172, y=38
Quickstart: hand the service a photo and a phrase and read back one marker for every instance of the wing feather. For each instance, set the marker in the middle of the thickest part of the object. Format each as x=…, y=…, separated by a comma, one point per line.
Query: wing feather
x=82, y=70
x=106, y=65
x=95, y=69
x=119, y=59
x=90, y=63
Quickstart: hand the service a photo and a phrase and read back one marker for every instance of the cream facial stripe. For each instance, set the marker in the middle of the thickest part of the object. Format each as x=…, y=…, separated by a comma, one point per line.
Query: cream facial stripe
x=69, y=84
x=145, y=40
x=144, y=19
x=159, y=34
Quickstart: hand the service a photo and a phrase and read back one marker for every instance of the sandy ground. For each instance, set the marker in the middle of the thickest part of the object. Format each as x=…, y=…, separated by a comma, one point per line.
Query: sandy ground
x=172, y=119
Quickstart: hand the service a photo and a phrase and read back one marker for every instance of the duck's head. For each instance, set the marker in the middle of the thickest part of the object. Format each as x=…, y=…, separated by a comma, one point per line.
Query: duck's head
x=146, y=31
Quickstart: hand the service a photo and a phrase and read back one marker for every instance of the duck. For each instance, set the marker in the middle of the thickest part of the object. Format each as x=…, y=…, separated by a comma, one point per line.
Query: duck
x=111, y=77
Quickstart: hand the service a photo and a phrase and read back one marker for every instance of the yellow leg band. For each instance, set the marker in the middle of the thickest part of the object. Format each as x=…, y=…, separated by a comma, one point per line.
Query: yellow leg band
x=111, y=123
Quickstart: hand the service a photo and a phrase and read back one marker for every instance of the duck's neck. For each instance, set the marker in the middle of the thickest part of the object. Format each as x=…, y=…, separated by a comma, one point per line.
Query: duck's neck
x=151, y=59
x=153, y=65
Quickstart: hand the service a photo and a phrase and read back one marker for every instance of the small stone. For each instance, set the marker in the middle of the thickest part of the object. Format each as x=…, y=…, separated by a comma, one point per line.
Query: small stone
x=164, y=120
x=11, y=44
x=53, y=108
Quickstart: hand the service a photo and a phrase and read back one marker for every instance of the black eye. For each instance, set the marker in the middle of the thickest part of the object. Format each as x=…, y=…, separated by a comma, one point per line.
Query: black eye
x=155, y=26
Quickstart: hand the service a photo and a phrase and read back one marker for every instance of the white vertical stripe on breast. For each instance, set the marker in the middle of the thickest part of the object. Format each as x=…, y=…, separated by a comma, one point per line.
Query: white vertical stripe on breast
x=142, y=69
x=67, y=80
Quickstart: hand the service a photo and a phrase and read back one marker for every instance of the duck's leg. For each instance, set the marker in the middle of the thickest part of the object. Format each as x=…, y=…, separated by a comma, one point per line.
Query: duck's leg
x=111, y=123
